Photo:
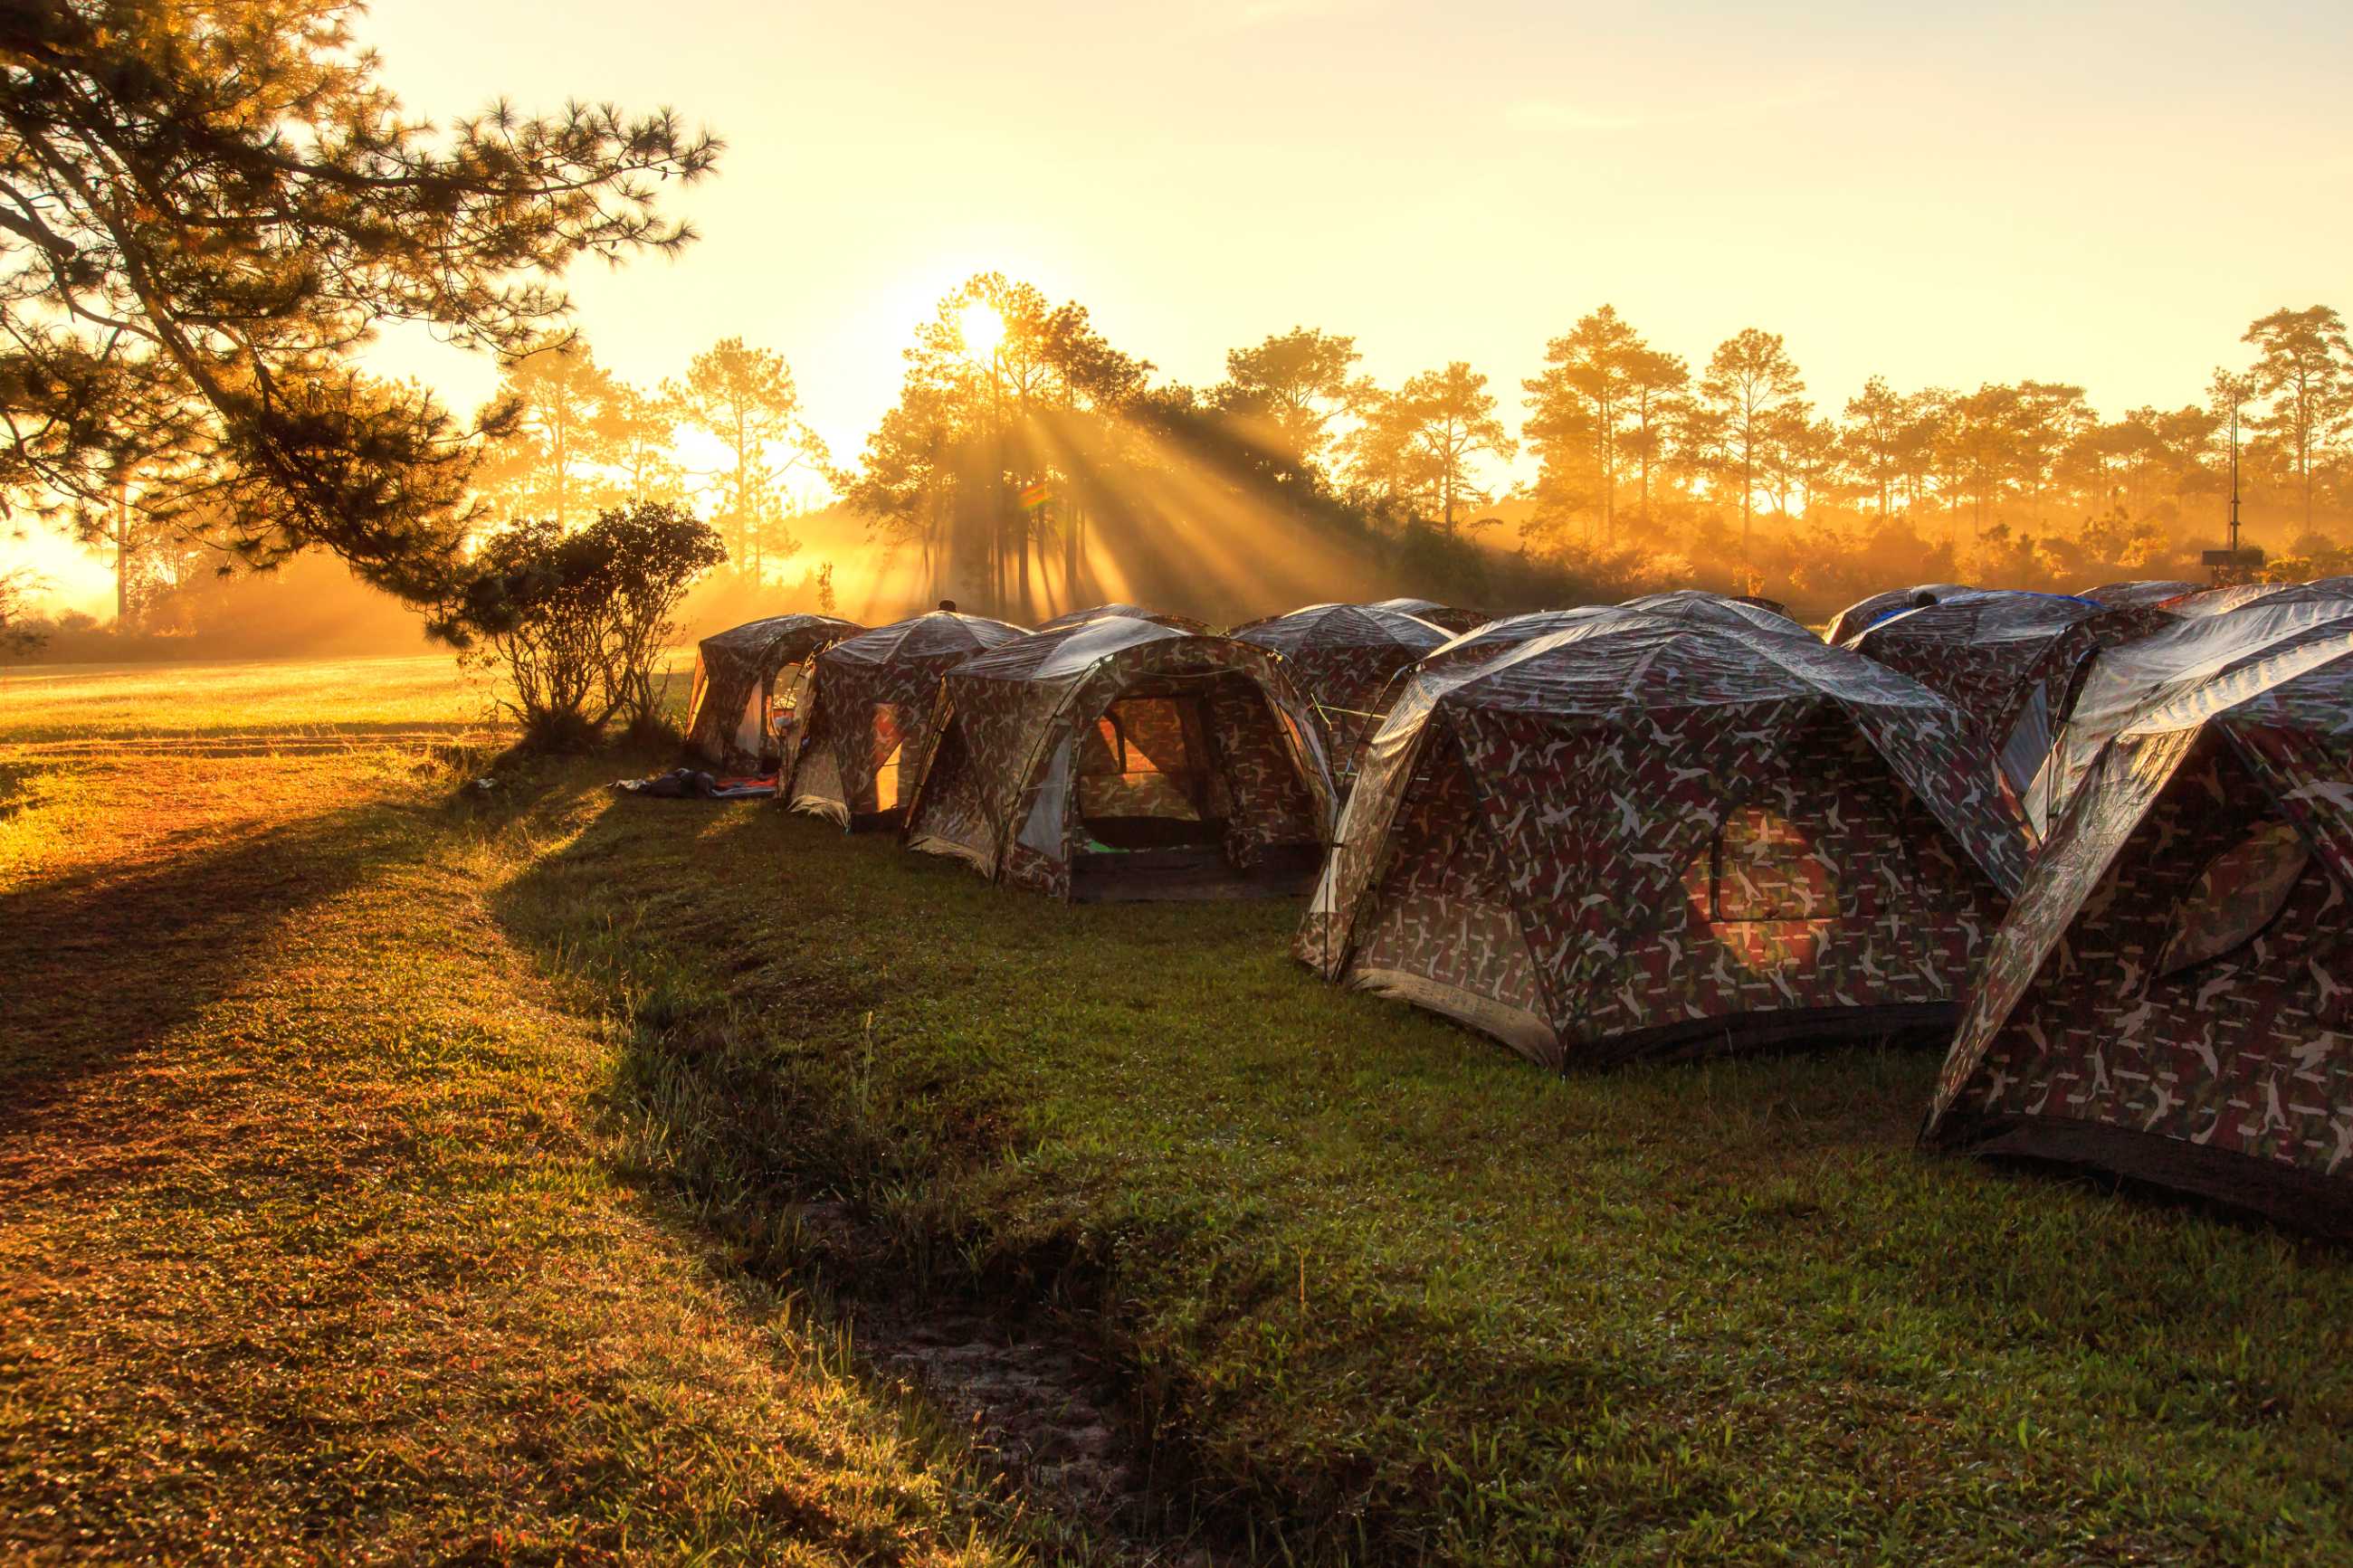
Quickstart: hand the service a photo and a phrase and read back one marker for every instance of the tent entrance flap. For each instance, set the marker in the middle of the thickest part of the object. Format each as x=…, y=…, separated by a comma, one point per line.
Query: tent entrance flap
x=1146, y=779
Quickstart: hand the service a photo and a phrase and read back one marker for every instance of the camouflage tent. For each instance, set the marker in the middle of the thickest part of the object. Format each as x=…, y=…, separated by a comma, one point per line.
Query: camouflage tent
x=2223, y=601
x=2143, y=591
x=2011, y=661
x=1864, y=613
x=1131, y=612
x=1342, y=657
x=1445, y=617
x=1645, y=832
x=1485, y=641
x=869, y=712
x=740, y=713
x=2171, y=998
x=2222, y=633
x=1125, y=759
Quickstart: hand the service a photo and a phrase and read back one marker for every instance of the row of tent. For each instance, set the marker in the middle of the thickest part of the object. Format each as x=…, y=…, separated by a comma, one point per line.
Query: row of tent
x=2099, y=844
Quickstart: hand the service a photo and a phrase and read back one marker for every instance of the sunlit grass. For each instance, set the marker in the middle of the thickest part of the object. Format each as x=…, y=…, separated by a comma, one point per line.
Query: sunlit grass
x=275, y=699
x=312, y=1246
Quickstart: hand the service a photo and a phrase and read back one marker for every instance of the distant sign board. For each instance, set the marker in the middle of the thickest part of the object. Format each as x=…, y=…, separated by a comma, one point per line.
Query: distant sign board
x=2253, y=555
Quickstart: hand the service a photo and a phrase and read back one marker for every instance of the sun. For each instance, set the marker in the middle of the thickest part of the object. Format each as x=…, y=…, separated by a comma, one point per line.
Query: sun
x=981, y=327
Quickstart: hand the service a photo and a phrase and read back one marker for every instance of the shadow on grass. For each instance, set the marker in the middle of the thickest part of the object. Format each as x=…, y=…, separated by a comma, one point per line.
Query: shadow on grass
x=99, y=964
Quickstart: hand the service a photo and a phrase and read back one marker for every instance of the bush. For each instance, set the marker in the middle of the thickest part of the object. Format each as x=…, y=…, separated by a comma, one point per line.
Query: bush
x=576, y=620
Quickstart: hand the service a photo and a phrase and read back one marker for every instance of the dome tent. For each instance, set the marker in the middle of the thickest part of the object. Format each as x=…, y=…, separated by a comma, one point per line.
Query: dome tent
x=2013, y=662
x=1648, y=831
x=2171, y=998
x=2209, y=635
x=1342, y=657
x=738, y=708
x=869, y=711
x=1125, y=759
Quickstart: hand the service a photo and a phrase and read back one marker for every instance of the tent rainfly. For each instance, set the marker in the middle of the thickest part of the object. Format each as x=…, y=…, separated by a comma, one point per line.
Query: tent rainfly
x=2013, y=662
x=869, y=711
x=1445, y=617
x=1342, y=657
x=1868, y=610
x=1664, y=833
x=1124, y=759
x=2172, y=996
x=741, y=712
x=2225, y=630
x=1069, y=618
x=2138, y=591
x=1488, y=639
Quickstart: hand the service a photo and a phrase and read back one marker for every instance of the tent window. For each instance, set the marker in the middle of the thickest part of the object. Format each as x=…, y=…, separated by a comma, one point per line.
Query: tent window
x=888, y=741
x=1767, y=868
x=2029, y=744
x=1140, y=760
x=2240, y=893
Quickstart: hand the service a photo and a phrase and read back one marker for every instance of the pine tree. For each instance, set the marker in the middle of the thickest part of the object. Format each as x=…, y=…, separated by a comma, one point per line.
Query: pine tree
x=206, y=209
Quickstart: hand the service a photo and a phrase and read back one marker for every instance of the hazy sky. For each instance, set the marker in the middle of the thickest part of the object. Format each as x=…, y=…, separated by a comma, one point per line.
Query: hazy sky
x=2097, y=193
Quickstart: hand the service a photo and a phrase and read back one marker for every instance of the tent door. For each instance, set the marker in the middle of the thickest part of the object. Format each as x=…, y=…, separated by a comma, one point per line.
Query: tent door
x=1146, y=779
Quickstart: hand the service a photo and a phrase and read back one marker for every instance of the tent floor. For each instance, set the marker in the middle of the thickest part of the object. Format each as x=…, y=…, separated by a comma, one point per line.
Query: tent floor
x=1191, y=872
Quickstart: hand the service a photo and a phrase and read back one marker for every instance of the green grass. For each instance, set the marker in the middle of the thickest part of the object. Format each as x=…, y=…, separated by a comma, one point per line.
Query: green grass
x=1387, y=1290
x=314, y=1245
x=398, y=1171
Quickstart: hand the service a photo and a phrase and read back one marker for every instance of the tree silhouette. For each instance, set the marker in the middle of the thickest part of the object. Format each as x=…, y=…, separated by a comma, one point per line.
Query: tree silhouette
x=547, y=463
x=1286, y=391
x=999, y=443
x=745, y=399
x=1749, y=379
x=205, y=211
x=2305, y=367
x=1586, y=394
x=1422, y=443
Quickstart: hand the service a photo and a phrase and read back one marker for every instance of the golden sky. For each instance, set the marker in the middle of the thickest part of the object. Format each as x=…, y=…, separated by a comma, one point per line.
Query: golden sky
x=2103, y=193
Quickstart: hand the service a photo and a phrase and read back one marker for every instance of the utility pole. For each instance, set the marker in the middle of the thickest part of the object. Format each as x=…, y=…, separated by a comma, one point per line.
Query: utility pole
x=2233, y=565
x=2234, y=479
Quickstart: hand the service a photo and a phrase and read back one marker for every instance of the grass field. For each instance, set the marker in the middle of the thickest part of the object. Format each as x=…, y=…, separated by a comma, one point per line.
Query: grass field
x=391, y=1167
x=312, y=1245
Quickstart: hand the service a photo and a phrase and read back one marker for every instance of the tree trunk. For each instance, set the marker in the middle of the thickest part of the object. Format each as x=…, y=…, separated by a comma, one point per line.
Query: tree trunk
x=1022, y=542
x=1748, y=495
x=122, y=555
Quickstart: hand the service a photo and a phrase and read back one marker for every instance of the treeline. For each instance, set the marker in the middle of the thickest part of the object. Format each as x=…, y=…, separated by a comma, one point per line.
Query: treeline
x=1669, y=471
x=1019, y=430
x=1030, y=463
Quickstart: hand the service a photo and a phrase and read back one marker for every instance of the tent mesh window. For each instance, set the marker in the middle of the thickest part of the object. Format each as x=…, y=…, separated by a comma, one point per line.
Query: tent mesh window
x=1144, y=759
x=1765, y=867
